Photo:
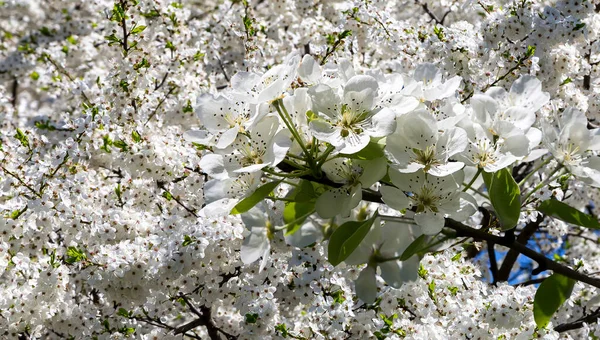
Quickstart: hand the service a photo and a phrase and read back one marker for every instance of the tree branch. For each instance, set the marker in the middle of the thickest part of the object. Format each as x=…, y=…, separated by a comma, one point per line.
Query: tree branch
x=512, y=255
x=516, y=245
x=569, y=326
x=542, y=260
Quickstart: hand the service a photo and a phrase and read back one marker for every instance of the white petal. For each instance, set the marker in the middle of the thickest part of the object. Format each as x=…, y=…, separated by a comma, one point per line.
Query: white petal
x=353, y=143
x=383, y=123
x=445, y=169
x=431, y=223
x=255, y=245
x=445, y=90
x=527, y=92
x=484, y=109
x=366, y=285
x=309, y=70
x=521, y=117
x=395, y=273
x=218, y=208
x=518, y=145
x=360, y=92
x=428, y=73
x=332, y=202
x=325, y=132
x=213, y=165
x=227, y=137
x=325, y=100
x=468, y=206
x=454, y=140
x=201, y=137
x=211, y=111
x=395, y=198
x=309, y=233
x=373, y=171
x=244, y=81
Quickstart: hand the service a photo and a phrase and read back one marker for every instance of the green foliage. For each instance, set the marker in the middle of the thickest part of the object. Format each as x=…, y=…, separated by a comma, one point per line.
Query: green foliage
x=551, y=294
x=505, y=197
x=136, y=136
x=141, y=64
x=564, y=212
x=22, y=137
x=138, y=29
x=257, y=196
x=346, y=238
x=74, y=255
x=295, y=213
x=414, y=247
x=251, y=318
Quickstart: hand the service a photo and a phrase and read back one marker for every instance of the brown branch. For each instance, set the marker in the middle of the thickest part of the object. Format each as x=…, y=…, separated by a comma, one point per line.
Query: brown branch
x=587, y=319
x=531, y=282
x=431, y=14
x=512, y=255
x=518, y=245
x=542, y=260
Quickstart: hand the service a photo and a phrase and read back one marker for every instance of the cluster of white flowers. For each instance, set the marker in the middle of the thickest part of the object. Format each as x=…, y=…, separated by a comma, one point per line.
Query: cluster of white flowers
x=308, y=169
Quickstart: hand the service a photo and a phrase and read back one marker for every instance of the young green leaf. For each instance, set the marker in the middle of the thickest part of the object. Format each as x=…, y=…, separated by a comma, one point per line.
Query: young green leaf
x=303, y=192
x=564, y=212
x=21, y=137
x=346, y=238
x=413, y=248
x=505, y=196
x=138, y=29
x=551, y=294
x=295, y=213
x=252, y=200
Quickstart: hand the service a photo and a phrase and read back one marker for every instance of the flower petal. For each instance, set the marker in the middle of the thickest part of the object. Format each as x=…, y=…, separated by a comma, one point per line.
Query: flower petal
x=366, y=285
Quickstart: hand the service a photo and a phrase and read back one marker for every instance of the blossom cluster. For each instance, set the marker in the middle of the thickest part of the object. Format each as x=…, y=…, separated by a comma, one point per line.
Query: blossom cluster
x=309, y=169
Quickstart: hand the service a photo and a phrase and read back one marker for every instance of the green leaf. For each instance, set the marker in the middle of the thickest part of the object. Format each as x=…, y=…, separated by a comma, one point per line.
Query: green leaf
x=136, y=136
x=34, y=75
x=167, y=195
x=142, y=64
x=46, y=31
x=295, y=213
x=138, y=29
x=282, y=330
x=566, y=81
x=579, y=26
x=74, y=255
x=564, y=212
x=123, y=312
x=413, y=248
x=112, y=39
x=373, y=150
x=121, y=145
x=252, y=200
x=251, y=318
x=21, y=137
x=346, y=238
x=304, y=192
x=187, y=240
x=505, y=196
x=551, y=294
x=530, y=51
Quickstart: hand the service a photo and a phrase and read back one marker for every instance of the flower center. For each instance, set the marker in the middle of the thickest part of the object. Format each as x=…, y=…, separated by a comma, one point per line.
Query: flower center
x=426, y=157
x=426, y=199
x=352, y=121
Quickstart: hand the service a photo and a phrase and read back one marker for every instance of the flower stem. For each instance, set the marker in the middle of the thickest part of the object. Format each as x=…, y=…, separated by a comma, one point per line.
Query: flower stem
x=479, y=170
x=551, y=177
x=543, y=164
